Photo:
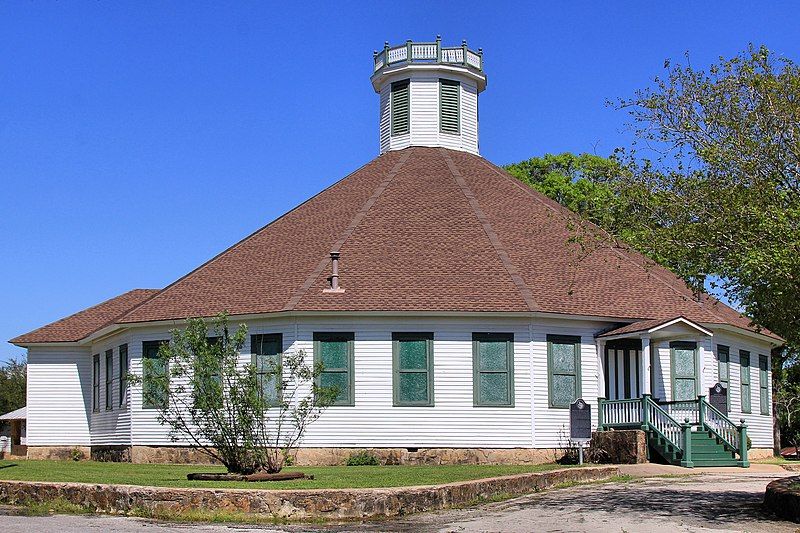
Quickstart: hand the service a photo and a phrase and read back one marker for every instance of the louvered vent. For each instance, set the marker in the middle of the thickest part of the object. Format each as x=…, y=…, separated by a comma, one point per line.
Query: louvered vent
x=400, y=108
x=449, y=106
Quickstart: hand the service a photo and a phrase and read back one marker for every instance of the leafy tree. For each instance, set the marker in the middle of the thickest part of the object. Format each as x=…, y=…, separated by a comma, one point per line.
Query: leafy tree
x=248, y=418
x=13, y=380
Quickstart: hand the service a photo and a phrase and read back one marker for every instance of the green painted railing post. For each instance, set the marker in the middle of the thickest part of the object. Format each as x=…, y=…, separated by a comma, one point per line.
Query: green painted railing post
x=408, y=51
x=743, y=462
x=686, y=460
x=438, y=48
x=701, y=412
x=385, y=53
x=464, y=51
x=645, y=412
x=600, y=421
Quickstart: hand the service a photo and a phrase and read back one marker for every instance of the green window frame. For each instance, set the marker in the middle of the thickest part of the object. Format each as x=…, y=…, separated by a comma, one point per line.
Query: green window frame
x=493, y=369
x=724, y=370
x=763, y=391
x=123, y=373
x=744, y=373
x=400, y=112
x=267, y=351
x=563, y=370
x=684, y=375
x=109, y=380
x=449, y=106
x=153, y=396
x=336, y=352
x=96, y=382
x=412, y=364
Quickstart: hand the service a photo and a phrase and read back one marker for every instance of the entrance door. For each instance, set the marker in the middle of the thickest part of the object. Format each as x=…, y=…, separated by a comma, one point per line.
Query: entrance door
x=622, y=365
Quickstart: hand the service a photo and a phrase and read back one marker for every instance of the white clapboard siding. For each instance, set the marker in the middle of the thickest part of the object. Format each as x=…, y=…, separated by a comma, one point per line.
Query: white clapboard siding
x=110, y=426
x=759, y=426
x=551, y=425
x=424, y=114
x=59, y=396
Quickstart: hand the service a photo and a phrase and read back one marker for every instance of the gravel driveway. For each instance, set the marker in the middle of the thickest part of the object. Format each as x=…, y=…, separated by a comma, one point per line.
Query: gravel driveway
x=716, y=501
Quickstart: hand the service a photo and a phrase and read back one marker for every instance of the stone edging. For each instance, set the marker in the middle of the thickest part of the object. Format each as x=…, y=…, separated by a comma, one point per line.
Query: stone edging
x=782, y=500
x=307, y=504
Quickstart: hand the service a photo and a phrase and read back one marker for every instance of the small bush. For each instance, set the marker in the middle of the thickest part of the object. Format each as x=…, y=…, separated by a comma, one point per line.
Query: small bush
x=363, y=458
x=76, y=454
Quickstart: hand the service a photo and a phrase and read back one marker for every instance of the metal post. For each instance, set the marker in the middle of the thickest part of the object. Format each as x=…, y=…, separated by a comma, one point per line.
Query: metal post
x=686, y=460
x=743, y=462
x=580, y=453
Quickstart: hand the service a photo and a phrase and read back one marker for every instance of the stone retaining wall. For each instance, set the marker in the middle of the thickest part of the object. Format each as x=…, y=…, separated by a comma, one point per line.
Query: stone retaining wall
x=622, y=447
x=294, y=504
x=782, y=499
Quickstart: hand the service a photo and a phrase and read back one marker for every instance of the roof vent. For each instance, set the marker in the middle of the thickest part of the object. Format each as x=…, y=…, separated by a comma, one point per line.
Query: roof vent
x=333, y=279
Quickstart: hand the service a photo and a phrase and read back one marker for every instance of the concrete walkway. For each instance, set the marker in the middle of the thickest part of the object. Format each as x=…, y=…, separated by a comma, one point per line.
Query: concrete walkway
x=706, y=499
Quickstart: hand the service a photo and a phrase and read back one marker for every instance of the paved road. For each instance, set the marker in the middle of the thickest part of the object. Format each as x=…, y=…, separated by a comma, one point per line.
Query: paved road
x=720, y=502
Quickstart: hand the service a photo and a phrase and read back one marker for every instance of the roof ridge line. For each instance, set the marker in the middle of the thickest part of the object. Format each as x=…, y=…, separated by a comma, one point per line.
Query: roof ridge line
x=524, y=291
x=240, y=242
x=348, y=231
x=667, y=283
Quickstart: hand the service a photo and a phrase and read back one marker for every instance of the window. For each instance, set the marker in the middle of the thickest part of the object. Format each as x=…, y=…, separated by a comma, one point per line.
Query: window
x=96, y=382
x=154, y=376
x=400, y=111
x=684, y=371
x=724, y=370
x=763, y=391
x=109, y=379
x=744, y=369
x=267, y=351
x=123, y=373
x=412, y=355
x=493, y=369
x=449, y=106
x=335, y=352
x=563, y=369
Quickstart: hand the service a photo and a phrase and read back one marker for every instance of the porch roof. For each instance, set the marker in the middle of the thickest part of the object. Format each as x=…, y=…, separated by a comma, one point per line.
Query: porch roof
x=653, y=326
x=19, y=414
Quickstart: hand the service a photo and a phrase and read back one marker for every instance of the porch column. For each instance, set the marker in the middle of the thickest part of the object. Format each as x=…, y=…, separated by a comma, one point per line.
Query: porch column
x=699, y=367
x=601, y=371
x=647, y=387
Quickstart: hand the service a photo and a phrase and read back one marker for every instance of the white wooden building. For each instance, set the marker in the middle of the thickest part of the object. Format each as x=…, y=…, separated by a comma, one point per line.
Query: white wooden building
x=443, y=255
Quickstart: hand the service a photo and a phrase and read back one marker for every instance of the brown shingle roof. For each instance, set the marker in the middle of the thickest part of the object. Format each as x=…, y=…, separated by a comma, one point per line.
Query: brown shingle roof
x=429, y=229
x=83, y=323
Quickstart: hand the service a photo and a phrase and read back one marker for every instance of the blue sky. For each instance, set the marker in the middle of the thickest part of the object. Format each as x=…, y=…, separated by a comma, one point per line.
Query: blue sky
x=139, y=139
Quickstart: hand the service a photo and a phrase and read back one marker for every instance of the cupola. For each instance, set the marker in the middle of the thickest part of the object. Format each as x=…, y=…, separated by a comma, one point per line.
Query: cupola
x=428, y=95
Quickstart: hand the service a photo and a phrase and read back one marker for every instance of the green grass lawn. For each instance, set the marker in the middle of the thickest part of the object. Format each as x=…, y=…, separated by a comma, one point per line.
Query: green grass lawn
x=324, y=476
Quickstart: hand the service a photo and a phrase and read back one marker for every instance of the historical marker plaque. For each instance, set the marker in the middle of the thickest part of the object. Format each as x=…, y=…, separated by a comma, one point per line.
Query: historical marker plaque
x=580, y=420
x=718, y=397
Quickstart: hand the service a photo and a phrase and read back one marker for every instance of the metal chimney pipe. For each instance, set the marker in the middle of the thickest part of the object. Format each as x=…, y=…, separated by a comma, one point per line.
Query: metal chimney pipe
x=335, y=271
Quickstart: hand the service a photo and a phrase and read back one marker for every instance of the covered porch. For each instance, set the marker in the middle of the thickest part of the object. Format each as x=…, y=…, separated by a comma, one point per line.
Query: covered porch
x=666, y=398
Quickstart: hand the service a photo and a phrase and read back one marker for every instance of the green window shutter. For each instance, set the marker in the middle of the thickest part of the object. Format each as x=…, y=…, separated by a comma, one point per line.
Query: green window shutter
x=123, y=372
x=763, y=391
x=154, y=376
x=684, y=371
x=335, y=352
x=563, y=369
x=109, y=379
x=96, y=382
x=724, y=370
x=449, y=106
x=412, y=361
x=400, y=107
x=744, y=372
x=493, y=369
x=267, y=350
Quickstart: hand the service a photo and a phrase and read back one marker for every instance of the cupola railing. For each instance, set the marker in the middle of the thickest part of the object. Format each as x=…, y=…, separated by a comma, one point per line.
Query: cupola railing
x=431, y=52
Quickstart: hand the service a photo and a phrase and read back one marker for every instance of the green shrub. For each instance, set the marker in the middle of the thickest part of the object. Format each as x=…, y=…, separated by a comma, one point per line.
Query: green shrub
x=363, y=458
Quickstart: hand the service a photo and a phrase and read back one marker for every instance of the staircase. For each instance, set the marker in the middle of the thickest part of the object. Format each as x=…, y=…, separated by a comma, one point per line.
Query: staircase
x=706, y=437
